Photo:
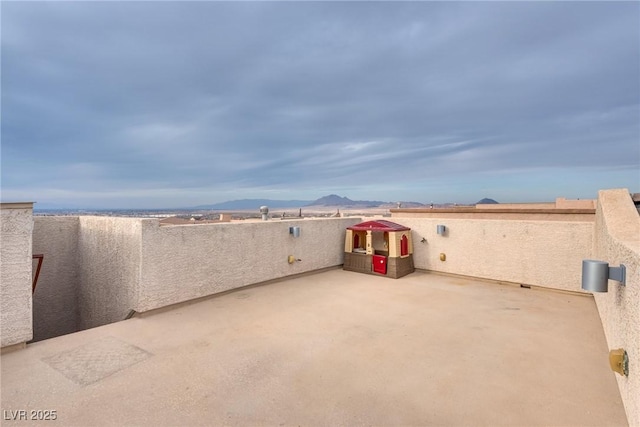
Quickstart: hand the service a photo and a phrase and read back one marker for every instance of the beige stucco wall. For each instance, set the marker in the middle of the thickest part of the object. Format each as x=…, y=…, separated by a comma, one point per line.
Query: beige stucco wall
x=16, y=225
x=541, y=205
x=180, y=263
x=541, y=253
x=577, y=215
x=97, y=269
x=617, y=241
x=562, y=203
x=109, y=257
x=55, y=301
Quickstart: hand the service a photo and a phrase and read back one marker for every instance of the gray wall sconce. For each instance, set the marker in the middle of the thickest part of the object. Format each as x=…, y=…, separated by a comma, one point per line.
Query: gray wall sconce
x=596, y=275
x=441, y=229
x=294, y=231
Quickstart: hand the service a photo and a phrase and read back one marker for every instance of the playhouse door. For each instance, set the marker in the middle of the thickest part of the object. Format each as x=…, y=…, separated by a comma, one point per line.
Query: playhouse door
x=380, y=264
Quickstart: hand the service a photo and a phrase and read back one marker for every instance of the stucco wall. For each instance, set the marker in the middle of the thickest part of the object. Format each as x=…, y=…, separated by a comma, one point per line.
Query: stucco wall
x=186, y=262
x=541, y=253
x=562, y=203
x=617, y=241
x=541, y=205
x=97, y=269
x=16, y=225
x=578, y=215
x=108, y=267
x=55, y=301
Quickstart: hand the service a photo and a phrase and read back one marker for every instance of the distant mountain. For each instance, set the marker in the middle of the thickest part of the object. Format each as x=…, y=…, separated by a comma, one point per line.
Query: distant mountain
x=486, y=201
x=332, y=200
x=246, y=204
x=335, y=200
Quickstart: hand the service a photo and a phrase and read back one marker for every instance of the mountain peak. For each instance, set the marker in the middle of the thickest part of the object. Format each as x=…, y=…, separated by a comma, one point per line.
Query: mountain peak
x=487, y=201
x=332, y=200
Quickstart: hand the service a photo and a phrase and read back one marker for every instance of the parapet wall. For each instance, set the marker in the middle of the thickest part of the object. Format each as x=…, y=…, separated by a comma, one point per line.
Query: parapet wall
x=16, y=224
x=90, y=274
x=499, y=214
x=109, y=266
x=98, y=269
x=55, y=300
x=184, y=262
x=540, y=253
x=617, y=241
x=560, y=203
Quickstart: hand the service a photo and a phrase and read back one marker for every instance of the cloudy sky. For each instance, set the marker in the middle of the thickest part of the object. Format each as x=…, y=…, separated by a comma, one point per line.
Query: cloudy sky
x=169, y=104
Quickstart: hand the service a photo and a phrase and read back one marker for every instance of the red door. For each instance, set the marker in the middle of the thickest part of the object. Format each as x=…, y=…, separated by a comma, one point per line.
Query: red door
x=404, y=246
x=380, y=264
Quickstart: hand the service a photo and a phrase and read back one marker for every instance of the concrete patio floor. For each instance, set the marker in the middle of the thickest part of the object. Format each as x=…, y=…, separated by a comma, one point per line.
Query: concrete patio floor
x=333, y=348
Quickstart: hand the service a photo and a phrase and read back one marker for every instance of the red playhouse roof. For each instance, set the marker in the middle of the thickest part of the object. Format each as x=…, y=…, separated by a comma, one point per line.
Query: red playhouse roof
x=380, y=225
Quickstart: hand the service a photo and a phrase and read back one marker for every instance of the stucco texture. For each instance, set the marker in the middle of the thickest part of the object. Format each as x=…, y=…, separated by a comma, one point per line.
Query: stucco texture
x=15, y=275
x=617, y=241
x=181, y=263
x=496, y=213
x=539, y=253
x=109, y=267
x=55, y=301
x=98, y=269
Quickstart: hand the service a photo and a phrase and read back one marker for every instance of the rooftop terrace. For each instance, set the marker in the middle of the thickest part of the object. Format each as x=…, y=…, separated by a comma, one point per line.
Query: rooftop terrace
x=333, y=348
x=493, y=328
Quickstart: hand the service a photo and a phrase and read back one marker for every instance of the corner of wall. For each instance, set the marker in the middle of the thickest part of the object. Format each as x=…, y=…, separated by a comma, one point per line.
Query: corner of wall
x=55, y=300
x=16, y=224
x=617, y=241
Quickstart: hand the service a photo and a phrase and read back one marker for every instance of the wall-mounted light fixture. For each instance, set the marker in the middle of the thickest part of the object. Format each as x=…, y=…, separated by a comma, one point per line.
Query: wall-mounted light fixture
x=423, y=240
x=619, y=361
x=596, y=275
x=294, y=231
x=441, y=229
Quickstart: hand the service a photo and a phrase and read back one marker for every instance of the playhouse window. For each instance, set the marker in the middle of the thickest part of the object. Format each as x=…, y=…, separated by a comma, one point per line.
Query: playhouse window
x=356, y=241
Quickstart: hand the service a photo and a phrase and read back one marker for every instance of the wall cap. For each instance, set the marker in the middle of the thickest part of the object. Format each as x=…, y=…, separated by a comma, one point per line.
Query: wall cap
x=16, y=205
x=496, y=211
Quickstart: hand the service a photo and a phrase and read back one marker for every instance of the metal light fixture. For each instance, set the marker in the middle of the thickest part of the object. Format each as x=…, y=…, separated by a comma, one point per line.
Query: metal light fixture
x=294, y=231
x=596, y=275
x=441, y=229
x=619, y=361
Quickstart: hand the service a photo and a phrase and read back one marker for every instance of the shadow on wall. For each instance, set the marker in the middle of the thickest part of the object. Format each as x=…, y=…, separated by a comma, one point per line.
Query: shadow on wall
x=55, y=300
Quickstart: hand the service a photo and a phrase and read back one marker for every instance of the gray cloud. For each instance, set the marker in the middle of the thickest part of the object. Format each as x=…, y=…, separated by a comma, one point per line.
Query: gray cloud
x=166, y=104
